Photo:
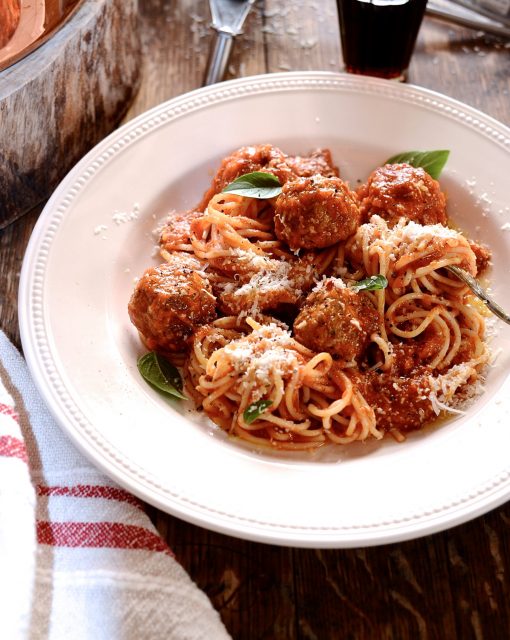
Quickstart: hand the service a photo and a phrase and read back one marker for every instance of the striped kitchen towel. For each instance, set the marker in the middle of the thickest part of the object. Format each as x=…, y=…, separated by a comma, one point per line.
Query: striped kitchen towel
x=79, y=558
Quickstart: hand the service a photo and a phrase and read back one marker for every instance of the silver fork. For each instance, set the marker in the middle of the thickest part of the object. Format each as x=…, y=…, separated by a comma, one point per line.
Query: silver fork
x=475, y=287
x=228, y=17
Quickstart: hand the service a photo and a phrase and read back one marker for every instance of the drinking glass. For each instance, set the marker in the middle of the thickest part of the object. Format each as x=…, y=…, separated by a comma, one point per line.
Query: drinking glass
x=378, y=36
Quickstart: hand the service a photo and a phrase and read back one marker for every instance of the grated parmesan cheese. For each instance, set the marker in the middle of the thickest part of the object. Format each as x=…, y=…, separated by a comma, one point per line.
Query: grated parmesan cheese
x=445, y=386
x=267, y=350
x=100, y=228
x=408, y=236
x=413, y=232
x=121, y=217
x=337, y=282
x=266, y=281
x=253, y=259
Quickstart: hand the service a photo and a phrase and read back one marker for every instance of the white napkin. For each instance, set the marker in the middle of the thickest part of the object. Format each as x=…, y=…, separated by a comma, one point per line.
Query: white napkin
x=79, y=558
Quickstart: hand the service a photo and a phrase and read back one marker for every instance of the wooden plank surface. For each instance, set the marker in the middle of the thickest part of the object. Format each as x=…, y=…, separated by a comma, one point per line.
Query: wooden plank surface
x=453, y=584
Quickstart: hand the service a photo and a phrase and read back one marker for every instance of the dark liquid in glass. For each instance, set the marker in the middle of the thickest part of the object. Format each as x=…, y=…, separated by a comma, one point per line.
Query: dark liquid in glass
x=378, y=36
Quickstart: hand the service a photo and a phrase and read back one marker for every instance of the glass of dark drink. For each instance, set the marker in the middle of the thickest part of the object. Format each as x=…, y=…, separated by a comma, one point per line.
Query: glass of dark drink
x=378, y=36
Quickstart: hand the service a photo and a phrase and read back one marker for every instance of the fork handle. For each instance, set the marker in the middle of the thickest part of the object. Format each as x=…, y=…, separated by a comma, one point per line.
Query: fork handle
x=218, y=57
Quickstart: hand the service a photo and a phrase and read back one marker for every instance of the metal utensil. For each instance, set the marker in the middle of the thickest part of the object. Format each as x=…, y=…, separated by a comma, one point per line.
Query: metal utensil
x=492, y=11
x=470, y=19
x=228, y=17
x=475, y=287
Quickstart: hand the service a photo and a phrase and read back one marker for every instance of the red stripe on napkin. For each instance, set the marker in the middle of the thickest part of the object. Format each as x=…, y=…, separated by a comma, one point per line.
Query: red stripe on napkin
x=11, y=447
x=90, y=491
x=100, y=535
x=7, y=410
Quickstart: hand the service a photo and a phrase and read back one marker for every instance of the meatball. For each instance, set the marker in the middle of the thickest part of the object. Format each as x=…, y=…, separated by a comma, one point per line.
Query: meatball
x=315, y=212
x=169, y=302
x=268, y=287
x=398, y=402
x=337, y=320
x=318, y=162
x=262, y=157
x=409, y=357
x=277, y=285
x=400, y=190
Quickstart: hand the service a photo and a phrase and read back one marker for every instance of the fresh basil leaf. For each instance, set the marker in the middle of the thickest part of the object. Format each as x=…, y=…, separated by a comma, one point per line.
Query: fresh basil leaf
x=255, y=409
x=373, y=283
x=258, y=184
x=160, y=373
x=432, y=161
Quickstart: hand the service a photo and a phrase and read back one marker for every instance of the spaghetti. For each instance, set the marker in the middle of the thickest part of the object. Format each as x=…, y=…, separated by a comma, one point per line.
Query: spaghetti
x=300, y=351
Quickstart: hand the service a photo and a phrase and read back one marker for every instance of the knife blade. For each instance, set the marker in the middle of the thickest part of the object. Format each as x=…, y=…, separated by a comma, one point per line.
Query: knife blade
x=228, y=17
x=456, y=14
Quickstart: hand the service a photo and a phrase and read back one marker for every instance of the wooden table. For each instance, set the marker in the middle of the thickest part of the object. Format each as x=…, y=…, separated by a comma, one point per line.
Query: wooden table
x=454, y=584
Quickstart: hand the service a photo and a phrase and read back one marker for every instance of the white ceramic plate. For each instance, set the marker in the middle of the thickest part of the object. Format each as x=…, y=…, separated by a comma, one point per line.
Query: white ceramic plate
x=95, y=236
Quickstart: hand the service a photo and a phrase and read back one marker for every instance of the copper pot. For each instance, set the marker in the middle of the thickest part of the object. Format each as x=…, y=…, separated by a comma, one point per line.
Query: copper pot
x=26, y=24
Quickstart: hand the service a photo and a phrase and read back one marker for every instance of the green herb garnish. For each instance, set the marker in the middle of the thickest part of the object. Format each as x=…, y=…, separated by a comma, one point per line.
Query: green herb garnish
x=255, y=409
x=161, y=374
x=257, y=184
x=374, y=283
x=432, y=161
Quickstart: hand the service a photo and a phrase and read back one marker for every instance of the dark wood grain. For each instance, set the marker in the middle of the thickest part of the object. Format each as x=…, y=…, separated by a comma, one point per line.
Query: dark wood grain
x=450, y=585
x=466, y=65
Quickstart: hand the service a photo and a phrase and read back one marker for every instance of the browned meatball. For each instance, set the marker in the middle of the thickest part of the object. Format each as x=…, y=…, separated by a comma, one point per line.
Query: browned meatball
x=337, y=320
x=398, y=402
x=169, y=302
x=394, y=191
x=315, y=212
x=318, y=162
x=262, y=157
x=272, y=284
